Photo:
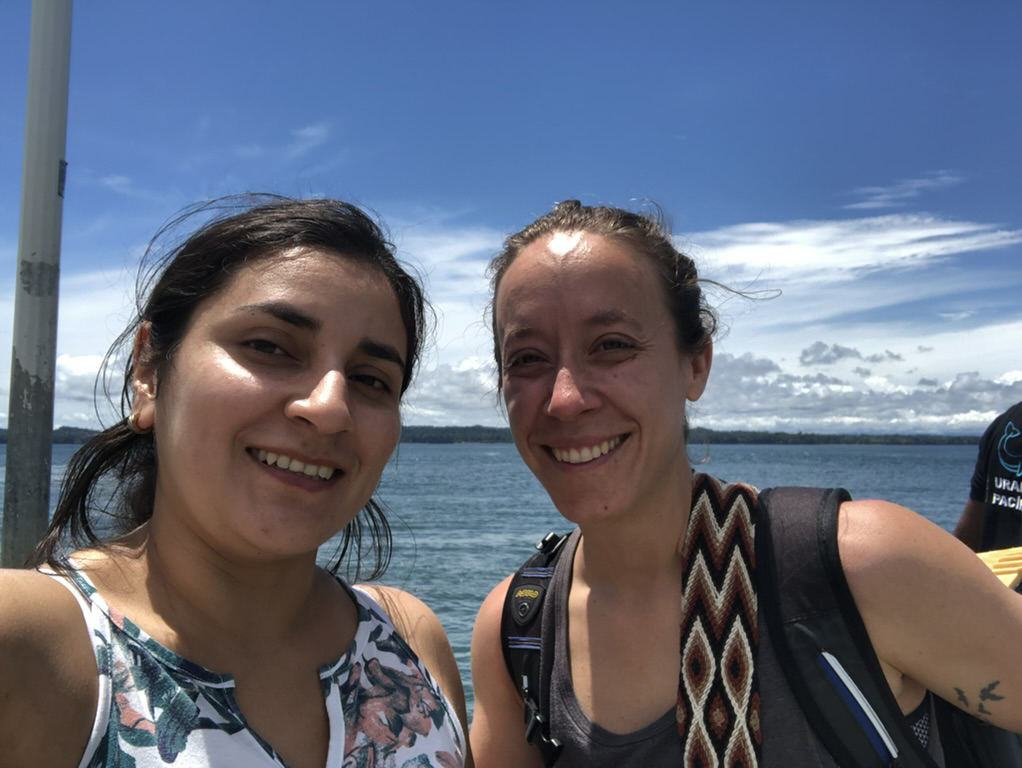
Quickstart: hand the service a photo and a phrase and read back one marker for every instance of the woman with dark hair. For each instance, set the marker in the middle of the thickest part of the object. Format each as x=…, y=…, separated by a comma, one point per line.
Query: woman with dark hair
x=655, y=602
x=261, y=402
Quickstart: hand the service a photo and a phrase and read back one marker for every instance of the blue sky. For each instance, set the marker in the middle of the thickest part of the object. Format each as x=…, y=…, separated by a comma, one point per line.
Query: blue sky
x=854, y=167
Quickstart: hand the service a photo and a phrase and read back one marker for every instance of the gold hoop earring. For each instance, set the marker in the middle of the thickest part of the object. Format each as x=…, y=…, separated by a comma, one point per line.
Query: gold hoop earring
x=132, y=422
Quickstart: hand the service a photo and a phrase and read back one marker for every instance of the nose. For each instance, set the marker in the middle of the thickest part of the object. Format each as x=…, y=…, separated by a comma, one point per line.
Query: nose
x=568, y=398
x=324, y=405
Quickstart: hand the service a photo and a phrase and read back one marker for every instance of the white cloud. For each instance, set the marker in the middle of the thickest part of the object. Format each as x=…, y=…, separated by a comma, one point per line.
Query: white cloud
x=462, y=396
x=121, y=185
x=452, y=260
x=834, y=250
x=862, y=336
x=1009, y=377
x=902, y=192
x=816, y=403
x=307, y=138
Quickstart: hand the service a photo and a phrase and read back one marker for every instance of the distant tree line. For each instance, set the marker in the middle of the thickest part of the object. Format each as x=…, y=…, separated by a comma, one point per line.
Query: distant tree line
x=699, y=435
x=739, y=437
x=474, y=434
x=62, y=435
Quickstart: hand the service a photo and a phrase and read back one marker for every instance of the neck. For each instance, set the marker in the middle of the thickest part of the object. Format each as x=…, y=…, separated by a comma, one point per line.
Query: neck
x=203, y=605
x=635, y=552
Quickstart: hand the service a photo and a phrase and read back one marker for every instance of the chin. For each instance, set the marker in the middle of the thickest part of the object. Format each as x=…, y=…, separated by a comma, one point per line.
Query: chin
x=582, y=511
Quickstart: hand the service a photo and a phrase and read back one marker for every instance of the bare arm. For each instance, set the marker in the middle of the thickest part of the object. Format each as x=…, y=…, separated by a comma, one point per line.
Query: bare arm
x=970, y=524
x=424, y=633
x=498, y=728
x=936, y=615
x=48, y=677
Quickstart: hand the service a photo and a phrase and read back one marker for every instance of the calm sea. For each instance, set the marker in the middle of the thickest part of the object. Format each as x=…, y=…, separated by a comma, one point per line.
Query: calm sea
x=465, y=515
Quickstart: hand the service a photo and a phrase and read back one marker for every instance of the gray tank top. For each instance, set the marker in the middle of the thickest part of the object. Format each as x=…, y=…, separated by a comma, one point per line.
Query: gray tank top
x=788, y=739
x=586, y=744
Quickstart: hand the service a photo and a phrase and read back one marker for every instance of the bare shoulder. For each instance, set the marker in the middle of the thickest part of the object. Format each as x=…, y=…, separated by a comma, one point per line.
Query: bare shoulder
x=935, y=614
x=891, y=554
x=491, y=680
x=48, y=678
x=880, y=541
x=37, y=610
x=486, y=630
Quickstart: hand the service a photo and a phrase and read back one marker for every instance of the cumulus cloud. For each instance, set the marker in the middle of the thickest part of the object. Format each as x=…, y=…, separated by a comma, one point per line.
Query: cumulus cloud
x=76, y=376
x=452, y=258
x=820, y=354
x=781, y=401
x=884, y=357
x=454, y=396
x=852, y=340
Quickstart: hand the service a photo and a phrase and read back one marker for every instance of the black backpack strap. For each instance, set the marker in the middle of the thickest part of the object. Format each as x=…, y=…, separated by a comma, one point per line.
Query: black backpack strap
x=528, y=652
x=818, y=635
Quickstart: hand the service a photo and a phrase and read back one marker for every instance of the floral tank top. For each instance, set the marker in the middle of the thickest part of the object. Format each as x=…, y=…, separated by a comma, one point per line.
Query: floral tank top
x=157, y=708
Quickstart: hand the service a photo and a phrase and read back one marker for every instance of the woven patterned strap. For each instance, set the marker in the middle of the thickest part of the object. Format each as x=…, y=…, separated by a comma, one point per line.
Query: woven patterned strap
x=718, y=694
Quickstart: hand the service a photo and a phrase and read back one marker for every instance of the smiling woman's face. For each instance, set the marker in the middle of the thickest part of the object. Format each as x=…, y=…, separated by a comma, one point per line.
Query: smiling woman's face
x=280, y=408
x=593, y=379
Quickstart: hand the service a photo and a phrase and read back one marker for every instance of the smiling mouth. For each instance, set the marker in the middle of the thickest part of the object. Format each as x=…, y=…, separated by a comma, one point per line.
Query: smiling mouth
x=582, y=455
x=294, y=465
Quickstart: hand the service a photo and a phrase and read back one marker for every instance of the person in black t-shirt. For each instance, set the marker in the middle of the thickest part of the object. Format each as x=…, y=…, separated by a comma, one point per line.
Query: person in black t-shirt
x=992, y=518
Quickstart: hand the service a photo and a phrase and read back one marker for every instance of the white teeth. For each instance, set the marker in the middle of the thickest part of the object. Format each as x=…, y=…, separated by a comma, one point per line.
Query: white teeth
x=295, y=465
x=581, y=456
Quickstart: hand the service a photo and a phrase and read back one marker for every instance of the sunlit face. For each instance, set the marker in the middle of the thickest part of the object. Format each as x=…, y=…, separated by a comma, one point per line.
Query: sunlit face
x=593, y=380
x=280, y=409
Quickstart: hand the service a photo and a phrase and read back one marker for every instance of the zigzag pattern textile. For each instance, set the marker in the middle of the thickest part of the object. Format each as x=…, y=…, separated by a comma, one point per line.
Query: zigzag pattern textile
x=718, y=694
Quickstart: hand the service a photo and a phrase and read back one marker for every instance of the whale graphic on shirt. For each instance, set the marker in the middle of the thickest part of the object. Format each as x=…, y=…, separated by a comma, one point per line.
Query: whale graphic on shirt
x=1009, y=449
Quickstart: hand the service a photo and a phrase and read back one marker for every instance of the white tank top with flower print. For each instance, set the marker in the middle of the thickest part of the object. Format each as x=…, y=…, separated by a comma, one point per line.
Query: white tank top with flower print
x=157, y=708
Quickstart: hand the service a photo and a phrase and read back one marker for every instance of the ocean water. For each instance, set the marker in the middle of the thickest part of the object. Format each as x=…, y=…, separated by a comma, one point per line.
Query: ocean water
x=465, y=515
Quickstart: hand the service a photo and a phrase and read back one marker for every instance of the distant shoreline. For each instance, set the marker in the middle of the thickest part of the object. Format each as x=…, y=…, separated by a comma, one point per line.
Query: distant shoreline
x=699, y=435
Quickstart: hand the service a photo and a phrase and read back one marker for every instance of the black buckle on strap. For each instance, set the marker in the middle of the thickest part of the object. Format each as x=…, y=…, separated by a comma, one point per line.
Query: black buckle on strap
x=535, y=732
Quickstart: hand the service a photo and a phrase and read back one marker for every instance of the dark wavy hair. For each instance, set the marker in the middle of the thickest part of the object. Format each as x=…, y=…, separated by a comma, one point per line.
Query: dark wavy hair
x=108, y=488
x=648, y=234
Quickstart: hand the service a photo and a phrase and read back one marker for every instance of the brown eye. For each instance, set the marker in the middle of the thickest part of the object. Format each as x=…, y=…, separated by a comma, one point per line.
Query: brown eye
x=264, y=346
x=614, y=345
x=518, y=360
x=373, y=382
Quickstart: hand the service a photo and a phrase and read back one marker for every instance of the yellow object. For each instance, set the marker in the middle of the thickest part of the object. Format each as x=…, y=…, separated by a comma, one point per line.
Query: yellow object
x=1005, y=563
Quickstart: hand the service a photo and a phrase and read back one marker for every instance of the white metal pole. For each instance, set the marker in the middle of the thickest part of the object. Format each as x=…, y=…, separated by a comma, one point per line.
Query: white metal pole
x=33, y=360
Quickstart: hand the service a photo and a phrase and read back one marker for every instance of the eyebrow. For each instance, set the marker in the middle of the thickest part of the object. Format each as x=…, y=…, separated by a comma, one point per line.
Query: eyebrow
x=612, y=317
x=601, y=318
x=288, y=313
x=382, y=352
